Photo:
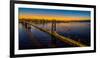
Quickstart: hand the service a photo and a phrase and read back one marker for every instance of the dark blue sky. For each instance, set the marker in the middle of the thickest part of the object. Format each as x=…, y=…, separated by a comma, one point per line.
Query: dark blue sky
x=54, y=12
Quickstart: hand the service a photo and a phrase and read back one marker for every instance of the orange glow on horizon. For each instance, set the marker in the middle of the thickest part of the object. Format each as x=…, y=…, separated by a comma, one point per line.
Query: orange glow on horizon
x=52, y=17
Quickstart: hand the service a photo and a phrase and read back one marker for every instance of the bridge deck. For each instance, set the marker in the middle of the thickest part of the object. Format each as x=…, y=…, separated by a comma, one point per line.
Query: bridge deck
x=61, y=38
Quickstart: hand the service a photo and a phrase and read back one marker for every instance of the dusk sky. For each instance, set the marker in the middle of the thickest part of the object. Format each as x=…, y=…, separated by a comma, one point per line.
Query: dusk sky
x=33, y=12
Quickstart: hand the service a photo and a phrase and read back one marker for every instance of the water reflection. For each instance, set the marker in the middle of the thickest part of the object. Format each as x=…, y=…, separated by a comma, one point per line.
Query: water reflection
x=32, y=38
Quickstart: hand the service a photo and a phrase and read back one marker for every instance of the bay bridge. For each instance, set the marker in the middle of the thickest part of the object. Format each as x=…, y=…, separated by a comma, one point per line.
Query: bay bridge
x=53, y=34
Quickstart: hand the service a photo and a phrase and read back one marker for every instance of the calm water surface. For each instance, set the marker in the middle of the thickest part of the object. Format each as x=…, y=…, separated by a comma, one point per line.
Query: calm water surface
x=32, y=38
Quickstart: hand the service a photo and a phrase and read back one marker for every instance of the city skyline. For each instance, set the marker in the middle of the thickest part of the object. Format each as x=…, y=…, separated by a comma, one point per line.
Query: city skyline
x=51, y=14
